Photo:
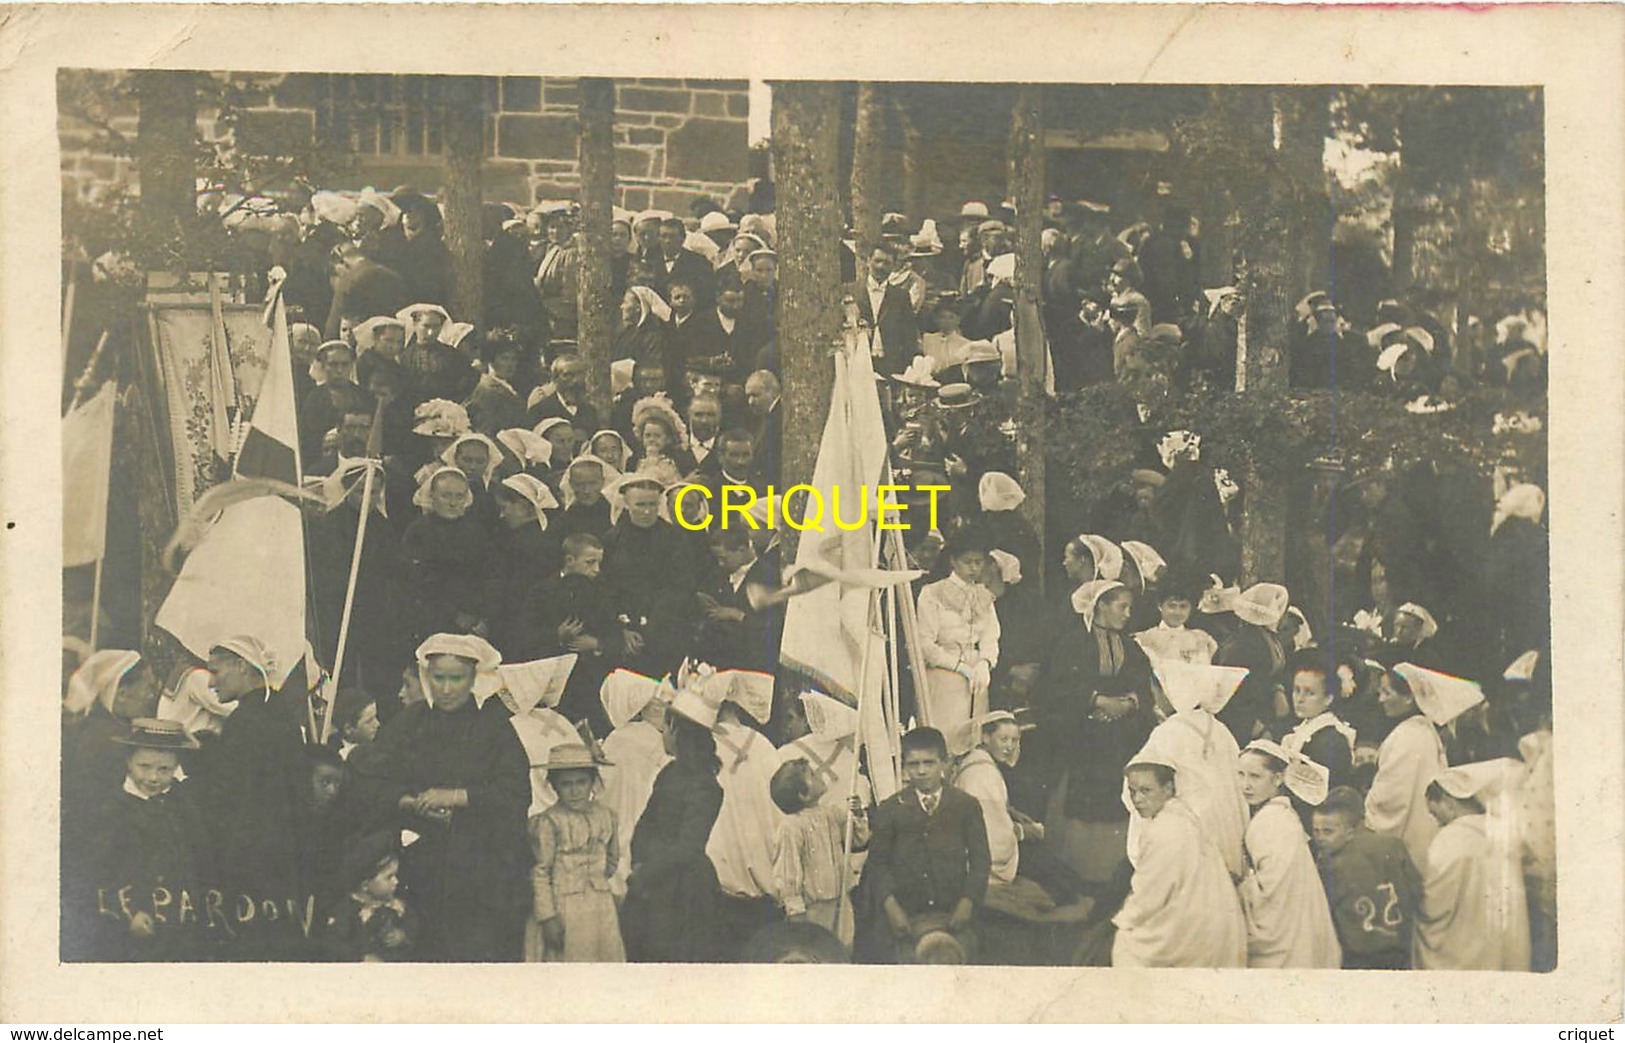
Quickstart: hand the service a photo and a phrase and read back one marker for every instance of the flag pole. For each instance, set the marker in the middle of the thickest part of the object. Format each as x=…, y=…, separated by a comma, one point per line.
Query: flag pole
x=374, y=462
x=67, y=312
x=870, y=625
x=349, y=596
x=96, y=600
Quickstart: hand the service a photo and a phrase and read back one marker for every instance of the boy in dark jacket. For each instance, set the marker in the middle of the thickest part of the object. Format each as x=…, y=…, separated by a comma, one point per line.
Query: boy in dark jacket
x=149, y=864
x=1371, y=884
x=928, y=857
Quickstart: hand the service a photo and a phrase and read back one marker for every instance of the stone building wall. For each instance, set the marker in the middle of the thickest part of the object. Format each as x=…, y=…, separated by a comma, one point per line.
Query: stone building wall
x=675, y=140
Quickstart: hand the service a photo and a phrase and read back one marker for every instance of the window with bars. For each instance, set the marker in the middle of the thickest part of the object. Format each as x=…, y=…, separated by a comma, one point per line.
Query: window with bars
x=399, y=117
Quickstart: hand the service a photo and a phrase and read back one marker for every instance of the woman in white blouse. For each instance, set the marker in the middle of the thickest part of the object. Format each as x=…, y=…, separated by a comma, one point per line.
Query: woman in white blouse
x=959, y=636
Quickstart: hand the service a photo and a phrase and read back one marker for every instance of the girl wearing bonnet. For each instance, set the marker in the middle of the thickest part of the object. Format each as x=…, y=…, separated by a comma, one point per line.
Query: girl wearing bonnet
x=1289, y=923
x=662, y=441
x=446, y=553
x=1181, y=910
x=453, y=770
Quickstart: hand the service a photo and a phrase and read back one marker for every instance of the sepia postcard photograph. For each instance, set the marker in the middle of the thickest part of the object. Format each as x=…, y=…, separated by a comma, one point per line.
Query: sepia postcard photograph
x=1121, y=503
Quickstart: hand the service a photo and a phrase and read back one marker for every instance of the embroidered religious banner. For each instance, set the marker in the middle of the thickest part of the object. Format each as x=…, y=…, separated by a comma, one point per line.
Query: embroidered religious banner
x=192, y=364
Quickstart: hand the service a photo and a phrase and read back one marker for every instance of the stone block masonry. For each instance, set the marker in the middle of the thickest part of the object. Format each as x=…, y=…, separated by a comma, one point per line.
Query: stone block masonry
x=675, y=140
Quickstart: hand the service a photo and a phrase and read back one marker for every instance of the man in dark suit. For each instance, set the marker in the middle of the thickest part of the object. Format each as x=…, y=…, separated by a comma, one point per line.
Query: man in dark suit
x=693, y=334
x=1171, y=260
x=928, y=856
x=762, y=394
x=886, y=310
x=678, y=264
x=741, y=624
x=364, y=288
x=704, y=428
x=757, y=315
x=569, y=397
x=732, y=463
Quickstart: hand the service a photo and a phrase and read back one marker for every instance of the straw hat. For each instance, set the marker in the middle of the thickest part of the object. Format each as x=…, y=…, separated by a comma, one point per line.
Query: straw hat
x=149, y=733
x=574, y=755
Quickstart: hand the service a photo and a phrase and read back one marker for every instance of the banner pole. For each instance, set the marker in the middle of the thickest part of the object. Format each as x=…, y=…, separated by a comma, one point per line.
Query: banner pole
x=96, y=601
x=349, y=598
x=871, y=623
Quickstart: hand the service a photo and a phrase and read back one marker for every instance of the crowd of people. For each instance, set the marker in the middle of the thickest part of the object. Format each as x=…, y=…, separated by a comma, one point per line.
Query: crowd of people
x=562, y=731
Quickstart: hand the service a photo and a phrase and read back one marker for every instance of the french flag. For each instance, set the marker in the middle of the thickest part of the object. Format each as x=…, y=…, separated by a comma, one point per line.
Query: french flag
x=246, y=575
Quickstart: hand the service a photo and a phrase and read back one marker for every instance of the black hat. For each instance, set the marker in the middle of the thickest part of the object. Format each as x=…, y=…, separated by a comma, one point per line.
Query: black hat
x=363, y=855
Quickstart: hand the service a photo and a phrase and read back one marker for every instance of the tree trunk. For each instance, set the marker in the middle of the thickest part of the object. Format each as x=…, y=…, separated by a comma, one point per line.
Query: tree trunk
x=166, y=148
x=1305, y=122
x=805, y=138
x=1026, y=189
x=866, y=143
x=465, y=152
x=1267, y=249
x=595, y=302
x=1274, y=228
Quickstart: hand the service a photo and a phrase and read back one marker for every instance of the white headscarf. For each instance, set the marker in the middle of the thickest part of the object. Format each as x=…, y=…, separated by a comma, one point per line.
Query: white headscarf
x=1191, y=686
x=97, y=679
x=421, y=497
x=493, y=460
x=1430, y=626
x=528, y=447
x=1009, y=566
x=541, y=429
x=347, y=476
x=1108, y=556
x=440, y=418
x=1303, y=778
x=255, y=653
x=998, y=491
x=828, y=718
x=1262, y=604
x=1146, y=559
x=1441, y=697
x=610, y=474
x=366, y=333
x=650, y=303
x=464, y=646
x=533, y=490
x=624, y=694
x=1086, y=597
x=334, y=208
x=622, y=457
x=383, y=204
x=405, y=316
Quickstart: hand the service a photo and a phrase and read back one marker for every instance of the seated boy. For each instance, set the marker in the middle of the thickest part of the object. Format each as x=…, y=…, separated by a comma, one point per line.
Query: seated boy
x=928, y=855
x=1371, y=884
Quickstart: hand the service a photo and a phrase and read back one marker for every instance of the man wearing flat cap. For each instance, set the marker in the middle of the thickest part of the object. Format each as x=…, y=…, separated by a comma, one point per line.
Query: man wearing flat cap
x=993, y=239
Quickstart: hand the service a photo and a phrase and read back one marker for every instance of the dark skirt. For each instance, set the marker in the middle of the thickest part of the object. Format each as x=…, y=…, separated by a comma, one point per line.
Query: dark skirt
x=672, y=916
